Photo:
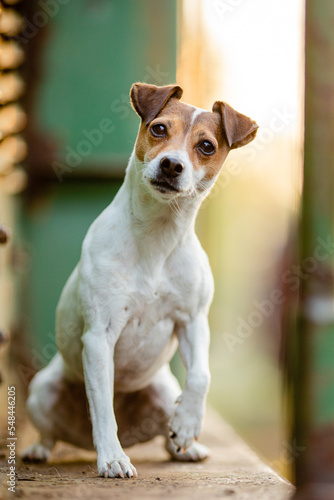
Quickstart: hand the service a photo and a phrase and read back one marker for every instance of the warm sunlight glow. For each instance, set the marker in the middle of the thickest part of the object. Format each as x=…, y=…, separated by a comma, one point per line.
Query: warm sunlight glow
x=249, y=54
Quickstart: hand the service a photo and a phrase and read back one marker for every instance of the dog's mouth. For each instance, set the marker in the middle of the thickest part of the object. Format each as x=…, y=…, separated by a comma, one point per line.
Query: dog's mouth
x=164, y=186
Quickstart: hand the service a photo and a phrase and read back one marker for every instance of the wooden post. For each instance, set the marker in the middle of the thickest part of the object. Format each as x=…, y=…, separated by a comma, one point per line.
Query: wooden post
x=314, y=347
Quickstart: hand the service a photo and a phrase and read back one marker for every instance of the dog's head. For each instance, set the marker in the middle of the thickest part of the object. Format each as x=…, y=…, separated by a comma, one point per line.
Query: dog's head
x=182, y=148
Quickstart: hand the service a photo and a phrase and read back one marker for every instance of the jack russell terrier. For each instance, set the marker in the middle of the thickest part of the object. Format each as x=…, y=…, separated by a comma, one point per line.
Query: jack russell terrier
x=143, y=285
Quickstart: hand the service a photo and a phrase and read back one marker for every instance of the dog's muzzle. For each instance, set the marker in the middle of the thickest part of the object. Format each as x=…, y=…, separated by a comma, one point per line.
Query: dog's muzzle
x=168, y=175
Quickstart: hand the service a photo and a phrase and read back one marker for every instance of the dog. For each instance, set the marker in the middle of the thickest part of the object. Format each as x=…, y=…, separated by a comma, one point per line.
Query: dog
x=142, y=287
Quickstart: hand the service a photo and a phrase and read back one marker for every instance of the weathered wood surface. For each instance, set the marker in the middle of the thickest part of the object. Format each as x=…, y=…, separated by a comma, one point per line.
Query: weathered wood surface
x=233, y=472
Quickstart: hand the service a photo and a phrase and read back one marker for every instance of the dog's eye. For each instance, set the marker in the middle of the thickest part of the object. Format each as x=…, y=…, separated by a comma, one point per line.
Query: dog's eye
x=159, y=130
x=207, y=148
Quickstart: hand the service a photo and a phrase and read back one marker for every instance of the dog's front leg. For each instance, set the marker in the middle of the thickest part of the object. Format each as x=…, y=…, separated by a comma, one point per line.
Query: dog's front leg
x=98, y=363
x=194, y=340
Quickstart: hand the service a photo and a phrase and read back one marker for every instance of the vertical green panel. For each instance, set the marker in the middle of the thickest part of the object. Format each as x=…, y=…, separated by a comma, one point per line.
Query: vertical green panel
x=55, y=225
x=84, y=61
x=92, y=52
x=314, y=355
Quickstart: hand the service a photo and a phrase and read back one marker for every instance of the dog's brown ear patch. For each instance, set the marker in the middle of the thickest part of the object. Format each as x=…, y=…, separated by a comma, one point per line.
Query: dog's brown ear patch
x=239, y=129
x=148, y=100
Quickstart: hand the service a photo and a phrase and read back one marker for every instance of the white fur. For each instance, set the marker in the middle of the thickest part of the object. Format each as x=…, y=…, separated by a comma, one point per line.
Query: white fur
x=197, y=111
x=142, y=286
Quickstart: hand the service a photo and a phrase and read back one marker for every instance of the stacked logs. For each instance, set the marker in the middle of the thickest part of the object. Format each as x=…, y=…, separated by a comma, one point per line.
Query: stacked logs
x=13, y=148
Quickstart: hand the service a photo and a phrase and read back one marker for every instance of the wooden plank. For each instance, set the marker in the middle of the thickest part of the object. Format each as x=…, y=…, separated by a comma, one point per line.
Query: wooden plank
x=232, y=471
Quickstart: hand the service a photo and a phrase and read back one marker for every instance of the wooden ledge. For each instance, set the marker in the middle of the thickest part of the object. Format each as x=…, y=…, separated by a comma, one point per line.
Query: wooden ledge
x=232, y=472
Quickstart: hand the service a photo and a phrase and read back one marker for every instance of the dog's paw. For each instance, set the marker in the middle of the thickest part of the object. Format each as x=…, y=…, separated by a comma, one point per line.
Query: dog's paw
x=36, y=453
x=196, y=453
x=118, y=467
x=184, y=428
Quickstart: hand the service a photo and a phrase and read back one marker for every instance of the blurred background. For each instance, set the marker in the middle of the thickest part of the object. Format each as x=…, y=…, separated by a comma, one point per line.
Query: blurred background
x=67, y=130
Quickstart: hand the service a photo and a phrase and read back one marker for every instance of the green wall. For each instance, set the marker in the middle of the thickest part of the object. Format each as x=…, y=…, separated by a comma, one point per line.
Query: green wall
x=90, y=54
x=81, y=130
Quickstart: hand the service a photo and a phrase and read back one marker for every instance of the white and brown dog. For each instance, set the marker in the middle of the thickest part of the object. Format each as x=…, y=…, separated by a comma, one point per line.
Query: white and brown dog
x=143, y=286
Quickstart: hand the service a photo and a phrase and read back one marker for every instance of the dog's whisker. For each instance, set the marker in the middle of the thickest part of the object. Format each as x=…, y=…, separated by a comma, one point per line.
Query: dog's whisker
x=176, y=209
x=192, y=192
x=179, y=210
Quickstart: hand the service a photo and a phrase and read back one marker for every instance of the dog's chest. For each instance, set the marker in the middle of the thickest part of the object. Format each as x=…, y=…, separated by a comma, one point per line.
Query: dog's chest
x=147, y=341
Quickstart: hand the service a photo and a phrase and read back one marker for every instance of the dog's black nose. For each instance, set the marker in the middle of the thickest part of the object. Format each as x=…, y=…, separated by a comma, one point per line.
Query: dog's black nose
x=171, y=167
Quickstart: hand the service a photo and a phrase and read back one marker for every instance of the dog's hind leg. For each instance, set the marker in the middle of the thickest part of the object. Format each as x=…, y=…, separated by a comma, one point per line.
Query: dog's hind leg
x=39, y=405
x=58, y=409
x=144, y=414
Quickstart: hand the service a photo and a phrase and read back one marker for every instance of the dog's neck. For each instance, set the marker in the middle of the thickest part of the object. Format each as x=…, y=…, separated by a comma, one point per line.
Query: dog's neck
x=158, y=225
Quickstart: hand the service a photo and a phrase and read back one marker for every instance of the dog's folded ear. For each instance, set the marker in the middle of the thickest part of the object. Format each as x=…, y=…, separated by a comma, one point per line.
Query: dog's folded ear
x=148, y=100
x=239, y=129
